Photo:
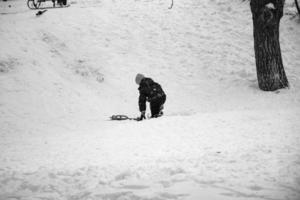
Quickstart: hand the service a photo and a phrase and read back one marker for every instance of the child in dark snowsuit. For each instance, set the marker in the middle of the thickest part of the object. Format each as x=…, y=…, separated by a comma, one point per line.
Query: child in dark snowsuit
x=152, y=92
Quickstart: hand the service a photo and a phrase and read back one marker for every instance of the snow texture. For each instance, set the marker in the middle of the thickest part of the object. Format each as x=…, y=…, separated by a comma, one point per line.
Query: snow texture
x=62, y=74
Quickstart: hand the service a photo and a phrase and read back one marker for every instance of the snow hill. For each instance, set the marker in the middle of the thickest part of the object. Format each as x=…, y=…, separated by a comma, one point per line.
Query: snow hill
x=62, y=74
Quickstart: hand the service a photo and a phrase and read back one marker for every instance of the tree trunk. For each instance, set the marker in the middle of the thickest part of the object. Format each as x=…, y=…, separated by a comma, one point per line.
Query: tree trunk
x=266, y=18
x=297, y=6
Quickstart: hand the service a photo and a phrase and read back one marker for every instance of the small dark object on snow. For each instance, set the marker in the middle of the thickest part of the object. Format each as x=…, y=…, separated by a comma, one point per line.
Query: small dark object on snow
x=172, y=3
x=40, y=12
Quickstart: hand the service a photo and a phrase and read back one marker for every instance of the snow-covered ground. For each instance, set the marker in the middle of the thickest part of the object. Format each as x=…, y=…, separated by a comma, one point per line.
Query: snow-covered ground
x=63, y=74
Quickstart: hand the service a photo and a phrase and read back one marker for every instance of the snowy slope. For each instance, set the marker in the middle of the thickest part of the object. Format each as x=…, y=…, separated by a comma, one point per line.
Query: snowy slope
x=64, y=73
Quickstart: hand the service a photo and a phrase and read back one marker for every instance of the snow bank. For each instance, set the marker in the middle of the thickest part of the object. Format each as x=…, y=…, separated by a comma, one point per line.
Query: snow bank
x=64, y=73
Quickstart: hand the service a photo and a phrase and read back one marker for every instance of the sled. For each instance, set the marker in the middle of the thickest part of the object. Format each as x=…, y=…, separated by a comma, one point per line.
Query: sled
x=123, y=117
x=36, y=4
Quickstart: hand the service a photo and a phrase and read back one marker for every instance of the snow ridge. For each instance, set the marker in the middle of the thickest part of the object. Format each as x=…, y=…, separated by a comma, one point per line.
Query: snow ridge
x=63, y=74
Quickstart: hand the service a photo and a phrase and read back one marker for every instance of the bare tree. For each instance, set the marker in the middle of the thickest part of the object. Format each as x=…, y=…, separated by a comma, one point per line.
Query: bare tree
x=266, y=16
x=297, y=6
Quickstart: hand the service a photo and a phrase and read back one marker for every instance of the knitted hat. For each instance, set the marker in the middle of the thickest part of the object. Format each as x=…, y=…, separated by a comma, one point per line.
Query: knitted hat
x=139, y=78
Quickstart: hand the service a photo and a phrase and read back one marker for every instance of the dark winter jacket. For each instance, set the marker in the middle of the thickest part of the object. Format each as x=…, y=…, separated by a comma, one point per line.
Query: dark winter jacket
x=149, y=91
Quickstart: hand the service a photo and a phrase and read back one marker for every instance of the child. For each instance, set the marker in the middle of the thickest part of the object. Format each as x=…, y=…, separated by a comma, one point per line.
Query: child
x=152, y=92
